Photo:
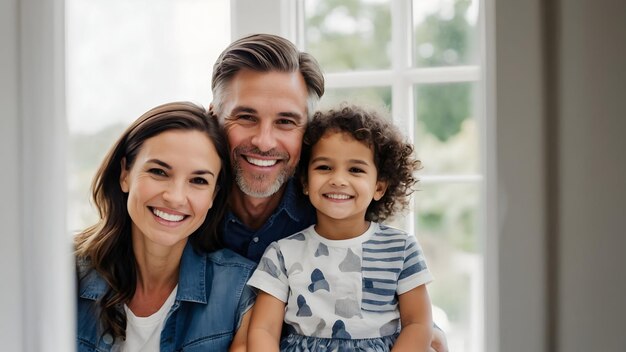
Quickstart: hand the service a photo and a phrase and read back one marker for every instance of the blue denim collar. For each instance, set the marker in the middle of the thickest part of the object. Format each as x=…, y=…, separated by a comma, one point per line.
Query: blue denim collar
x=191, y=280
x=290, y=204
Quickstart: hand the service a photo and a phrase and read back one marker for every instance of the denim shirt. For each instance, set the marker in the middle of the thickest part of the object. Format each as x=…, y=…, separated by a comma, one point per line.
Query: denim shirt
x=293, y=214
x=211, y=300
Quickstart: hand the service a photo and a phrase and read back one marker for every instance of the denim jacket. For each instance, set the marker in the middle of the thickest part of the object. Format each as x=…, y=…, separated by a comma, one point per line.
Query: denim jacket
x=212, y=298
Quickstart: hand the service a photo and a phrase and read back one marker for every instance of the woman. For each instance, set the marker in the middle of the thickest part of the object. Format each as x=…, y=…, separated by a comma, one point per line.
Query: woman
x=149, y=275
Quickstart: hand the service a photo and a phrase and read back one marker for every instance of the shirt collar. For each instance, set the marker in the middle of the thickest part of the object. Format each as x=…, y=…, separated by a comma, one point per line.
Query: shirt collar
x=291, y=203
x=192, y=276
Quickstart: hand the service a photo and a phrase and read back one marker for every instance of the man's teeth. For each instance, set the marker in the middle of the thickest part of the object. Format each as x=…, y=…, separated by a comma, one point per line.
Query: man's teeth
x=165, y=216
x=261, y=162
x=337, y=196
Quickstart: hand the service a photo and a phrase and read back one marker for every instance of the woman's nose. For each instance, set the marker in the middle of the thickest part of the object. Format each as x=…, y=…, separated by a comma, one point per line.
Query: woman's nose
x=175, y=193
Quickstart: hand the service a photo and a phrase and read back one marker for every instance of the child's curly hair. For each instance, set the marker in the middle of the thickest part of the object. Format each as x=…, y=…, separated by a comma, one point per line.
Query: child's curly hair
x=393, y=155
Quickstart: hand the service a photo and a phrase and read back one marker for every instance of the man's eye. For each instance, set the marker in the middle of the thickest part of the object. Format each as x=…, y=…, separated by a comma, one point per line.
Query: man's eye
x=245, y=117
x=199, y=181
x=285, y=122
x=157, y=171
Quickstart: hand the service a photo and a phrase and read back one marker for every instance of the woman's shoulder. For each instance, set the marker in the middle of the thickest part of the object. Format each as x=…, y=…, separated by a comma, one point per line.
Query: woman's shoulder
x=90, y=283
x=226, y=257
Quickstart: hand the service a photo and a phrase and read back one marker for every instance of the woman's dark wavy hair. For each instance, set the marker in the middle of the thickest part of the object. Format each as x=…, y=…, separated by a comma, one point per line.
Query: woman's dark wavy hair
x=107, y=245
x=393, y=155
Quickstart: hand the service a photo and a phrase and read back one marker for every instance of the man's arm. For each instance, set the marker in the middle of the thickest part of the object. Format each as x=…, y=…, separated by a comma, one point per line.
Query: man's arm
x=438, y=342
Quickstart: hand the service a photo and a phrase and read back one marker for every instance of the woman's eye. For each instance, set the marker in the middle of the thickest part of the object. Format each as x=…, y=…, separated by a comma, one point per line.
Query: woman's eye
x=199, y=181
x=158, y=172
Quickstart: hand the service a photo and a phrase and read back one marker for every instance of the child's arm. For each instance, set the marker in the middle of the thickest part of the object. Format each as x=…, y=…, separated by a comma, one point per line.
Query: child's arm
x=241, y=336
x=416, y=321
x=266, y=323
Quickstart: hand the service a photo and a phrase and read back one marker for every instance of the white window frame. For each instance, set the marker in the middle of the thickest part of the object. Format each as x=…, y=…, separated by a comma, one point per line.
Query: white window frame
x=402, y=77
x=32, y=97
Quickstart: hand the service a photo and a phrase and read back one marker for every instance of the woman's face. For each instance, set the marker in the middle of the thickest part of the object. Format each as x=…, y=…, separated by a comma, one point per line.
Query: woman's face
x=171, y=186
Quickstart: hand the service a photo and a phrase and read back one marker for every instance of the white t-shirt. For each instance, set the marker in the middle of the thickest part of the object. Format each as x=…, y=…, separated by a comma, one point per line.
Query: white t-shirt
x=143, y=334
x=342, y=288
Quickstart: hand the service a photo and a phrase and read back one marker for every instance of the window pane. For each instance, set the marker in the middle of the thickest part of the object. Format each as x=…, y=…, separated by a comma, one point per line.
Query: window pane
x=447, y=223
x=445, y=32
x=349, y=35
x=447, y=138
x=372, y=96
x=123, y=58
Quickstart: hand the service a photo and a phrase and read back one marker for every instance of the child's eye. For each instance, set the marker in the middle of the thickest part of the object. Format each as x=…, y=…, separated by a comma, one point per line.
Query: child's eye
x=157, y=171
x=356, y=170
x=199, y=181
x=322, y=167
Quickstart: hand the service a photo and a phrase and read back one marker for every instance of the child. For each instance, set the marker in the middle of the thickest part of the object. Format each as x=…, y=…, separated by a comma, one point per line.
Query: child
x=347, y=283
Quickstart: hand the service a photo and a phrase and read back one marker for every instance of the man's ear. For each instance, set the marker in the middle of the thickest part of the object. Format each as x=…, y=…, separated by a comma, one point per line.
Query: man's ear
x=381, y=188
x=124, y=176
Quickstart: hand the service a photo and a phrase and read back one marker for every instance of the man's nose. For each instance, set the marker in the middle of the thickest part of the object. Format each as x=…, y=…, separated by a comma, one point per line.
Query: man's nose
x=264, y=138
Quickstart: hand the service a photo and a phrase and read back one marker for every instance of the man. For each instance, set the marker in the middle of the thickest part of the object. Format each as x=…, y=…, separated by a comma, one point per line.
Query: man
x=264, y=92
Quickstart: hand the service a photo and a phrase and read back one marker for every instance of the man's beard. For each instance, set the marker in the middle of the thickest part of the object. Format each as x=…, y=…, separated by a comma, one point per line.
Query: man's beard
x=255, y=187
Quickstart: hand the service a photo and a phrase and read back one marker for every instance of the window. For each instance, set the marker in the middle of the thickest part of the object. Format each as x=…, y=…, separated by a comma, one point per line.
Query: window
x=421, y=59
x=124, y=58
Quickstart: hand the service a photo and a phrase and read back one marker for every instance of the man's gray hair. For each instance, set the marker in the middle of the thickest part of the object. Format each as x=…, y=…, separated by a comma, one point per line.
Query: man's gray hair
x=264, y=53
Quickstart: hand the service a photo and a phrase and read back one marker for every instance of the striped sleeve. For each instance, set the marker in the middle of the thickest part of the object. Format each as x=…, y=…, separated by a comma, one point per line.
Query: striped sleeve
x=414, y=271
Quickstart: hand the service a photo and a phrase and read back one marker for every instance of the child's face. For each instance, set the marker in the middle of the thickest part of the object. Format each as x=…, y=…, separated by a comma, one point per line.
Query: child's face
x=342, y=178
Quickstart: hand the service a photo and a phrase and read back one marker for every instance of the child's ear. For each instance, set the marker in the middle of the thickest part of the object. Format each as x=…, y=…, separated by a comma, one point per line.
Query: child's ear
x=305, y=185
x=381, y=188
x=124, y=176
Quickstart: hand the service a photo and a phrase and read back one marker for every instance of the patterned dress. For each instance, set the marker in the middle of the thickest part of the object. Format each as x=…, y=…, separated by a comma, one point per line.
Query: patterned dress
x=342, y=295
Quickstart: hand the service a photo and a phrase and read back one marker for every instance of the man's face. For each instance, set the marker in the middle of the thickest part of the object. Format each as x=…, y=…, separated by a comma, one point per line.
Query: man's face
x=265, y=116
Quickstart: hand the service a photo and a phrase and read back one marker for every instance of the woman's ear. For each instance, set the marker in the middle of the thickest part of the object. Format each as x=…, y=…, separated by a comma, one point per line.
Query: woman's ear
x=381, y=188
x=217, y=189
x=124, y=176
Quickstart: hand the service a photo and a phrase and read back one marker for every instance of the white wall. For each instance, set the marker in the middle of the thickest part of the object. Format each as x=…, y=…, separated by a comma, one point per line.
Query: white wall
x=10, y=236
x=521, y=175
x=36, y=273
x=592, y=175
x=561, y=97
